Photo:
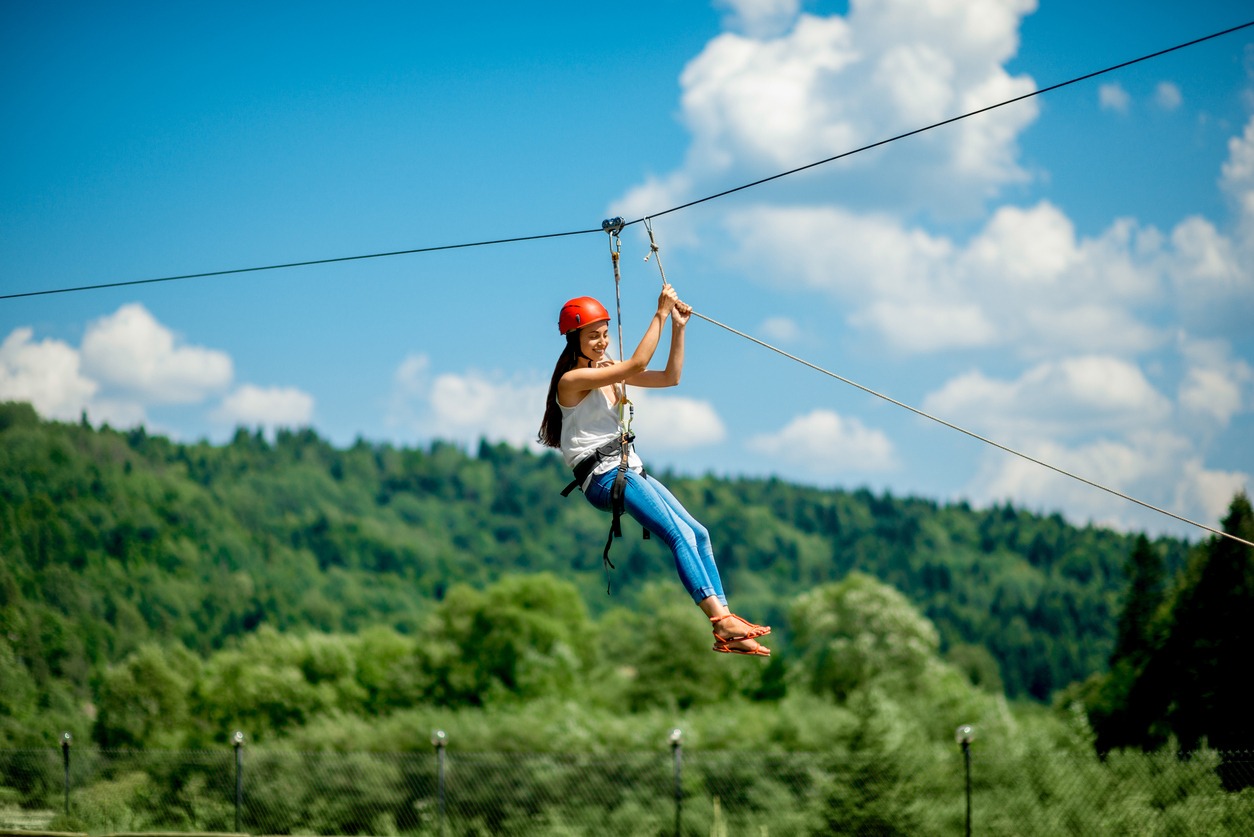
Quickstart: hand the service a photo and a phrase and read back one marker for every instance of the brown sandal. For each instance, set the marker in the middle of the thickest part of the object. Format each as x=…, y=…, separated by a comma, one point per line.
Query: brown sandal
x=757, y=651
x=753, y=632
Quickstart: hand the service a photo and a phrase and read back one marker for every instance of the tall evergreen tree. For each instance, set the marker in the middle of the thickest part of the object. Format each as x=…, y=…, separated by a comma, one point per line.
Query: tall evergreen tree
x=1146, y=579
x=1207, y=651
x=1130, y=702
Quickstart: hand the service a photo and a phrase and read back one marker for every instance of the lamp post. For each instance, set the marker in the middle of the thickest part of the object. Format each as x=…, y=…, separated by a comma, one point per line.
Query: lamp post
x=439, y=740
x=237, y=741
x=964, y=735
x=66, y=738
x=676, y=738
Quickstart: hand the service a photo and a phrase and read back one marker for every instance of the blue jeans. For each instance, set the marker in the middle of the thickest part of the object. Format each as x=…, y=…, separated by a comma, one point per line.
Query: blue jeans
x=656, y=509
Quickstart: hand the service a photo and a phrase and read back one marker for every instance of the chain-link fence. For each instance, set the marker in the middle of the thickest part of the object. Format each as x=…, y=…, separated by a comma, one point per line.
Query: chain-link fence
x=671, y=791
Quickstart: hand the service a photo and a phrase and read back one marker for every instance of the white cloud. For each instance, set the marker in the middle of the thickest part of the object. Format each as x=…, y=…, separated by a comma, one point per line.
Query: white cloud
x=1238, y=169
x=1068, y=397
x=1212, y=276
x=130, y=351
x=271, y=407
x=835, y=250
x=1216, y=386
x=928, y=326
x=46, y=374
x=1025, y=281
x=1237, y=182
x=755, y=105
x=1112, y=96
x=1168, y=96
x=780, y=329
x=464, y=407
x=760, y=18
x=129, y=363
x=674, y=422
x=1101, y=419
x=824, y=442
x=1156, y=467
x=1211, y=393
x=473, y=405
x=410, y=380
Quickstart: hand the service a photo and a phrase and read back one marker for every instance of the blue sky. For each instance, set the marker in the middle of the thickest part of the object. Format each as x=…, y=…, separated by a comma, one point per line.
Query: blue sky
x=1072, y=275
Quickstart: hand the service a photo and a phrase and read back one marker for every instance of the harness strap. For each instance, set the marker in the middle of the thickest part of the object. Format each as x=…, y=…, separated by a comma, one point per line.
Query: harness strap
x=618, y=506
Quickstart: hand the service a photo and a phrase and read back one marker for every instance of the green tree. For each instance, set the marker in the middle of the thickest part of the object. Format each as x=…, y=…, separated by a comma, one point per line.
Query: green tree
x=390, y=670
x=856, y=631
x=144, y=700
x=1126, y=704
x=274, y=682
x=1146, y=591
x=659, y=654
x=1207, y=651
x=522, y=637
x=18, y=695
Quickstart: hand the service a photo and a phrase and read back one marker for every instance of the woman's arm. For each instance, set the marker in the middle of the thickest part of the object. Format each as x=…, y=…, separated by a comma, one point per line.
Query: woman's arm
x=586, y=378
x=669, y=376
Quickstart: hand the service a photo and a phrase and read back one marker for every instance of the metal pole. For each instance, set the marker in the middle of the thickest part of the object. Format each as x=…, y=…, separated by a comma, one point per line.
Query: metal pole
x=66, y=738
x=964, y=735
x=966, y=757
x=439, y=740
x=677, y=751
x=238, y=741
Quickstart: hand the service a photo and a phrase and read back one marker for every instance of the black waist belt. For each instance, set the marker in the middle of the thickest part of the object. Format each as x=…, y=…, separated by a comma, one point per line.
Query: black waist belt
x=585, y=466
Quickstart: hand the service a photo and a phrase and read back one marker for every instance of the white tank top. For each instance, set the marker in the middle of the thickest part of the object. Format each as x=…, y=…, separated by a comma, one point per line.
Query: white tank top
x=588, y=425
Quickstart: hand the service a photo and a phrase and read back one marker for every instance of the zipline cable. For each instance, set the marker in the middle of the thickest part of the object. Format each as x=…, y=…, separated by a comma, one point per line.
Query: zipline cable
x=972, y=434
x=309, y=263
x=950, y=120
x=724, y=193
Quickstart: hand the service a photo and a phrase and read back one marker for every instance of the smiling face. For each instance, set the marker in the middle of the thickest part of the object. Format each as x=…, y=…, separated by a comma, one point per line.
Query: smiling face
x=594, y=340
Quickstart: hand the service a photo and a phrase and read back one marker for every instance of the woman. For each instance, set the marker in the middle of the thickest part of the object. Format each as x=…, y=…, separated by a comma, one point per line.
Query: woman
x=581, y=417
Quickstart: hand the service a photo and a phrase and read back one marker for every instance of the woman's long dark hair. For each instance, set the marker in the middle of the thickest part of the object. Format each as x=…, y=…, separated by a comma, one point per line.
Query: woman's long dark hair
x=551, y=427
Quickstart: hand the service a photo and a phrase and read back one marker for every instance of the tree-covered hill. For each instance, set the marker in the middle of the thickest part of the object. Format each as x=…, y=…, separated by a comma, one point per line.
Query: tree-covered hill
x=111, y=541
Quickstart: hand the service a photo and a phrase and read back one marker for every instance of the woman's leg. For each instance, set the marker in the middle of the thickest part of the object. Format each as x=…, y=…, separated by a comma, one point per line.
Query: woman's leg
x=655, y=508
x=727, y=625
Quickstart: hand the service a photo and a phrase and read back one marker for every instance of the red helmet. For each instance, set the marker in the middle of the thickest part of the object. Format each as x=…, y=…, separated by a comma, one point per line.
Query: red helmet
x=579, y=312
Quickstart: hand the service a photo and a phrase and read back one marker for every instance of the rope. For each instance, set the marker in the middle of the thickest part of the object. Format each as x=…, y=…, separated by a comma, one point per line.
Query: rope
x=974, y=435
x=654, y=250
x=724, y=193
x=310, y=263
x=626, y=410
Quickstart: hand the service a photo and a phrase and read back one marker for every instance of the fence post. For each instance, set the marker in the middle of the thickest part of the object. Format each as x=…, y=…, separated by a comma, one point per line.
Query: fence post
x=66, y=738
x=238, y=741
x=677, y=752
x=438, y=740
x=964, y=735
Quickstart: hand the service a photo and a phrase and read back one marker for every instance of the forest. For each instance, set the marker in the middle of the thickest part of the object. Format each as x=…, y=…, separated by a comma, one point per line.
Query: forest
x=158, y=595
